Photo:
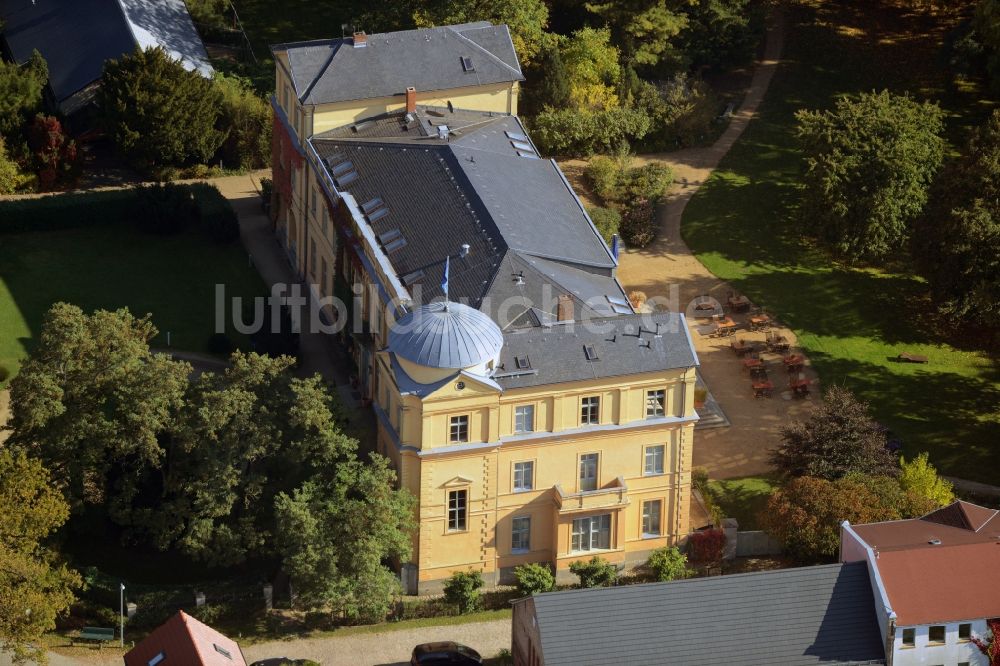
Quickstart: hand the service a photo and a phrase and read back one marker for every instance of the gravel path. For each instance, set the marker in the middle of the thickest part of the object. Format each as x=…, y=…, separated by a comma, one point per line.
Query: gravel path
x=387, y=648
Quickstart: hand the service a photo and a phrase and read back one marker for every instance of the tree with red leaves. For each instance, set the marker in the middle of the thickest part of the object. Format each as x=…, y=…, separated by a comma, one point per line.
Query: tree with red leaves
x=990, y=646
x=706, y=546
x=54, y=154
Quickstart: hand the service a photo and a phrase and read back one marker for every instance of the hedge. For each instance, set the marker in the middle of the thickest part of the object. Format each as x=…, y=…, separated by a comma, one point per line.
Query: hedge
x=112, y=207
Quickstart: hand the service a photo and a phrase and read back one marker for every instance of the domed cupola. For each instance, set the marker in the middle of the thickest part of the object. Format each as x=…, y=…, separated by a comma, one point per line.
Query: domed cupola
x=447, y=336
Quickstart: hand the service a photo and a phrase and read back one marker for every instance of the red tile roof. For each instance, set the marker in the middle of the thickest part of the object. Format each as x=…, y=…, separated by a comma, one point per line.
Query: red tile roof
x=184, y=641
x=942, y=584
x=957, y=523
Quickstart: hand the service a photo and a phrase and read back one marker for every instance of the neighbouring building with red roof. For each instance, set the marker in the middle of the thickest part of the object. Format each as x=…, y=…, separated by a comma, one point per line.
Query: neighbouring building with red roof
x=936, y=582
x=184, y=641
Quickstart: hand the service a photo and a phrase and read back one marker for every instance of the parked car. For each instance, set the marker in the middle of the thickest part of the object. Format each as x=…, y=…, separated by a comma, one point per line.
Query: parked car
x=446, y=652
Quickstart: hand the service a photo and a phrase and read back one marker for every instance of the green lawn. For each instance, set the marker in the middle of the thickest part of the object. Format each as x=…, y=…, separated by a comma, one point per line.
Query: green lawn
x=172, y=277
x=852, y=321
x=742, y=499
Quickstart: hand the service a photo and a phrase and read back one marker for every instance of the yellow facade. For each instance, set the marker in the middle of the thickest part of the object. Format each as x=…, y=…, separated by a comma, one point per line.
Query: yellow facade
x=414, y=434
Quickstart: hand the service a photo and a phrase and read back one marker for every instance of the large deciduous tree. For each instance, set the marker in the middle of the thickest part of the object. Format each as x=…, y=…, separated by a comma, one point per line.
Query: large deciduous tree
x=869, y=164
x=644, y=29
x=838, y=438
x=34, y=586
x=92, y=402
x=336, y=531
x=527, y=20
x=958, y=244
x=806, y=513
x=157, y=112
x=919, y=477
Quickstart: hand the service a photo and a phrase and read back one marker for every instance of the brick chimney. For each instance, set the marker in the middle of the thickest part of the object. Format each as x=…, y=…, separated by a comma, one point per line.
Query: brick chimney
x=564, y=311
x=411, y=99
x=360, y=39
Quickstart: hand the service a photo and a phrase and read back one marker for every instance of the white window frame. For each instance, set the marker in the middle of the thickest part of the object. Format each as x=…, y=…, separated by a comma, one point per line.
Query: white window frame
x=457, y=510
x=656, y=403
x=520, y=534
x=912, y=642
x=649, y=517
x=649, y=466
x=592, y=461
x=588, y=530
x=518, y=483
x=590, y=410
x=524, y=418
x=456, y=424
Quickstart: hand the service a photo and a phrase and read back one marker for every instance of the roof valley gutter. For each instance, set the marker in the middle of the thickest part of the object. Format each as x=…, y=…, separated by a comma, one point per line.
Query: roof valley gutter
x=401, y=294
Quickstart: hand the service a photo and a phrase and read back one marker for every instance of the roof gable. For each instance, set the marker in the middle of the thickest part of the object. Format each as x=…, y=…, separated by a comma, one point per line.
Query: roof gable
x=429, y=59
x=184, y=640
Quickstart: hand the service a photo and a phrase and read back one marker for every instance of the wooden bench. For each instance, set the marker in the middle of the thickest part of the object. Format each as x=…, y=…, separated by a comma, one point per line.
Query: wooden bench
x=98, y=635
x=907, y=357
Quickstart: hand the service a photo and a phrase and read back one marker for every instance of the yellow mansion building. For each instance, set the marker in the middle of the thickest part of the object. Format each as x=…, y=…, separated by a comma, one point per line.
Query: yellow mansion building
x=532, y=412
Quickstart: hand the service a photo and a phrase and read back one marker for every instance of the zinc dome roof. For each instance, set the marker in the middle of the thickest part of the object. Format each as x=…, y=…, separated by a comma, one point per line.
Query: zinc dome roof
x=439, y=335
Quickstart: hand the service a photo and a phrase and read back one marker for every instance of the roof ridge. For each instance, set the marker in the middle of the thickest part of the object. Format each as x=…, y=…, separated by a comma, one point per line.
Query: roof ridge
x=516, y=70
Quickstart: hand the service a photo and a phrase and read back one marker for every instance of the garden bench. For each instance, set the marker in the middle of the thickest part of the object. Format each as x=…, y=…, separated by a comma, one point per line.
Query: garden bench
x=98, y=635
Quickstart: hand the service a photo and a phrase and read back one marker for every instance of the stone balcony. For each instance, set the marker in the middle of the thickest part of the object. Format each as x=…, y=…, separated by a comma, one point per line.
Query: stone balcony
x=612, y=496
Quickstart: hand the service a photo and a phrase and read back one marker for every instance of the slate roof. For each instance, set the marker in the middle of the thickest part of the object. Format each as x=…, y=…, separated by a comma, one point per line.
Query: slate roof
x=530, y=238
x=333, y=70
x=624, y=345
x=184, y=640
x=76, y=37
x=796, y=617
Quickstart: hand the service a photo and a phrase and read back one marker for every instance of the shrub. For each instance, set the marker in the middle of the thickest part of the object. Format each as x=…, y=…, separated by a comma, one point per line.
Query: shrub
x=607, y=221
x=585, y=132
x=668, y=564
x=605, y=176
x=10, y=175
x=4, y=374
x=247, y=116
x=649, y=182
x=54, y=155
x=218, y=218
x=462, y=590
x=504, y=657
x=637, y=227
x=165, y=209
x=534, y=578
x=681, y=109
x=595, y=572
x=707, y=546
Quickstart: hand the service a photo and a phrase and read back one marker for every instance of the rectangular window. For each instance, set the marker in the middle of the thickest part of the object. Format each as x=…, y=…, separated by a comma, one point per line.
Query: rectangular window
x=592, y=533
x=520, y=534
x=524, y=418
x=588, y=471
x=936, y=634
x=965, y=632
x=590, y=410
x=909, y=637
x=291, y=178
x=459, y=429
x=312, y=203
x=654, y=460
x=651, y=518
x=311, y=268
x=323, y=274
x=656, y=401
x=457, y=510
x=326, y=223
x=524, y=476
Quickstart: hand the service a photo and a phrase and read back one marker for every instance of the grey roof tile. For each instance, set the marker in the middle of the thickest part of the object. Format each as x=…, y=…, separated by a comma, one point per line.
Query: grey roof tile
x=625, y=345
x=797, y=617
x=334, y=70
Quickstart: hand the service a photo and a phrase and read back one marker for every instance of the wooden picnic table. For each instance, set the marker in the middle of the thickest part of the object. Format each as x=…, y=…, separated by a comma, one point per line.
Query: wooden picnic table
x=760, y=322
x=725, y=327
x=742, y=347
x=751, y=363
x=794, y=359
x=799, y=386
x=762, y=389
